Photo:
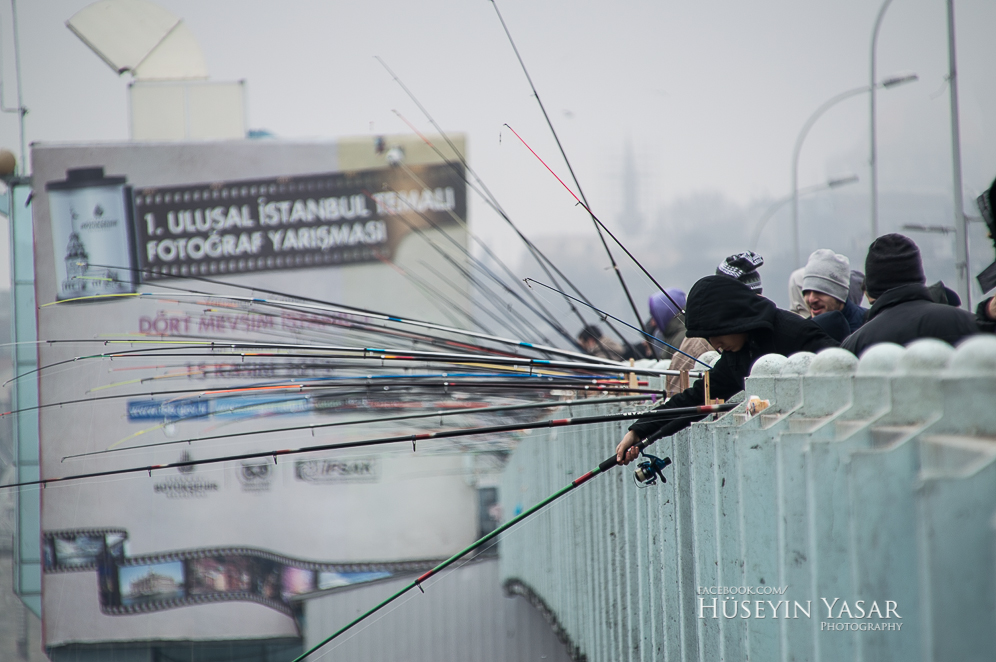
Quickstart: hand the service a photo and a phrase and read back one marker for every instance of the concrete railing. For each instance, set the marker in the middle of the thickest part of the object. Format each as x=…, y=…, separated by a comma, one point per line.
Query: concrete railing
x=870, y=481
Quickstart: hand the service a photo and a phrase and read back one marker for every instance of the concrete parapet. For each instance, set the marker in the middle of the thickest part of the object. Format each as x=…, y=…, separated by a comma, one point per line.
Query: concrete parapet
x=852, y=519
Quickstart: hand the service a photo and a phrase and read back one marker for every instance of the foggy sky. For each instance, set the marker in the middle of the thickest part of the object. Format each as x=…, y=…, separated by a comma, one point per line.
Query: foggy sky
x=711, y=95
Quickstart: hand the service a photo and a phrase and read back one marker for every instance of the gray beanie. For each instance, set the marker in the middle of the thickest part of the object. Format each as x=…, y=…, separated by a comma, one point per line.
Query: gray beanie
x=829, y=273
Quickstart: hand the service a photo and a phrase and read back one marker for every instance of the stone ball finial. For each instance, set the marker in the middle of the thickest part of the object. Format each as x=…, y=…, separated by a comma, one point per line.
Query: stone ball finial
x=880, y=359
x=834, y=361
x=769, y=365
x=927, y=356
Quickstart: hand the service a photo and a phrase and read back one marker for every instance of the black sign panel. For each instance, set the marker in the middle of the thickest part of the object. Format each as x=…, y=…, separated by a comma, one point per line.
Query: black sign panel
x=290, y=222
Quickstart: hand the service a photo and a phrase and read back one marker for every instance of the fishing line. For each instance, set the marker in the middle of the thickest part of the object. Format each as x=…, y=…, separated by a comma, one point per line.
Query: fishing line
x=446, y=256
x=547, y=316
x=428, y=267
x=665, y=414
x=338, y=326
x=595, y=218
x=523, y=530
x=604, y=466
x=598, y=224
x=470, y=411
x=340, y=309
x=493, y=203
x=649, y=336
x=367, y=383
x=272, y=407
x=284, y=350
x=541, y=259
x=429, y=289
x=488, y=292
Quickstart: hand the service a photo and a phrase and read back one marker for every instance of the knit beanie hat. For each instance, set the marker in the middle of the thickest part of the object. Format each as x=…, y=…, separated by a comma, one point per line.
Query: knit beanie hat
x=743, y=267
x=828, y=273
x=661, y=308
x=893, y=260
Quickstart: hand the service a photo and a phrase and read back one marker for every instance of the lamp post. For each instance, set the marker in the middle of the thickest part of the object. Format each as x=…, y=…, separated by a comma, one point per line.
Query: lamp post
x=888, y=83
x=873, y=161
x=960, y=220
x=830, y=184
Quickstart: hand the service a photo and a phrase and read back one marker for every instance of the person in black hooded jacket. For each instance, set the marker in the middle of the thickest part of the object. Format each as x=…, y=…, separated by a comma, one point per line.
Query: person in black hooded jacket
x=743, y=327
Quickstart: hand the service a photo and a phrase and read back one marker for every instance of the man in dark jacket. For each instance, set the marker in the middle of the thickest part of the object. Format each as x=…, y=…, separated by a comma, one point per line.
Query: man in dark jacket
x=902, y=308
x=743, y=327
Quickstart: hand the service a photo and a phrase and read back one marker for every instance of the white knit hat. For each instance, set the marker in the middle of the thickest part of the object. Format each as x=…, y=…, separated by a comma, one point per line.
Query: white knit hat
x=829, y=273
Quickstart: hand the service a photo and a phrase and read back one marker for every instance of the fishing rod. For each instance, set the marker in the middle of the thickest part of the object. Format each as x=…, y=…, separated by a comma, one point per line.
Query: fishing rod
x=428, y=267
x=463, y=271
x=595, y=218
x=360, y=386
x=649, y=336
x=327, y=401
x=337, y=321
x=350, y=353
x=480, y=265
x=541, y=259
x=468, y=411
x=335, y=308
x=677, y=412
x=284, y=350
x=598, y=225
x=429, y=289
x=547, y=316
x=339, y=327
x=648, y=472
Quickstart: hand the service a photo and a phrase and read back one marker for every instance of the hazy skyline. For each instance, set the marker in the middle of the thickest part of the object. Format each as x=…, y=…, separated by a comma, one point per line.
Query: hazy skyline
x=712, y=95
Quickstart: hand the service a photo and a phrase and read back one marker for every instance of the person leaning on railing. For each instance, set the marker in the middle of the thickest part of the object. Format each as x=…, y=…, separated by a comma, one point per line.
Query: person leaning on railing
x=742, y=327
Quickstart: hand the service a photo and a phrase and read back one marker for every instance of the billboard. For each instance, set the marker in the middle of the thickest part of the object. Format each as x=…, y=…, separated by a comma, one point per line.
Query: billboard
x=125, y=237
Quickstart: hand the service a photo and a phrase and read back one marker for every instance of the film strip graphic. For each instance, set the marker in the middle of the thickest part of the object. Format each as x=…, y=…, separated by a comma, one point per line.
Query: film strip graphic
x=169, y=580
x=81, y=549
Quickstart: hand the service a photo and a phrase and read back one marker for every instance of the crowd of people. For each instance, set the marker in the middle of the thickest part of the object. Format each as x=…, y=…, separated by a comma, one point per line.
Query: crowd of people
x=728, y=313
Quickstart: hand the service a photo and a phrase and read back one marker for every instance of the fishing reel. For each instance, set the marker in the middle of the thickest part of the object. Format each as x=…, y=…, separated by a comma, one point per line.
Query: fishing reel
x=649, y=469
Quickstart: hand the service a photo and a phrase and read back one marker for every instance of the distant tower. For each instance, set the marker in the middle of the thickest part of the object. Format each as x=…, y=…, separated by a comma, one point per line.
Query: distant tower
x=631, y=220
x=77, y=263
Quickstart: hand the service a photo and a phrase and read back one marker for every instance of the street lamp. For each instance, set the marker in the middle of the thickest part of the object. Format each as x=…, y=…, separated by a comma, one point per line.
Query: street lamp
x=874, y=148
x=773, y=209
x=888, y=83
x=961, y=229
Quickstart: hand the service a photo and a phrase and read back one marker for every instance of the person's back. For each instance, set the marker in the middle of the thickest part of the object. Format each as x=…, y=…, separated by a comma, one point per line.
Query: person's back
x=902, y=308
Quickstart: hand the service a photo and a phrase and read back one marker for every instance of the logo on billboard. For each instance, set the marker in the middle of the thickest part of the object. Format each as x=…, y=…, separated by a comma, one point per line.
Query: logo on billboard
x=185, y=486
x=255, y=477
x=185, y=456
x=325, y=471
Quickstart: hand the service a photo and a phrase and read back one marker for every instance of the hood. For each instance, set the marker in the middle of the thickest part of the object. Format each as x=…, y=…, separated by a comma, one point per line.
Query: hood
x=718, y=305
x=797, y=302
x=661, y=308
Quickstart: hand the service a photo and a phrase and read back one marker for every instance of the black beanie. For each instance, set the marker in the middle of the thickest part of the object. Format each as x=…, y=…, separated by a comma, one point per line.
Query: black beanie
x=893, y=260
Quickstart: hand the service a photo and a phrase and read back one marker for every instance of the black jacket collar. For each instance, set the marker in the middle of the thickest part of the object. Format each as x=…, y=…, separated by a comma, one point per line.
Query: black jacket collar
x=898, y=295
